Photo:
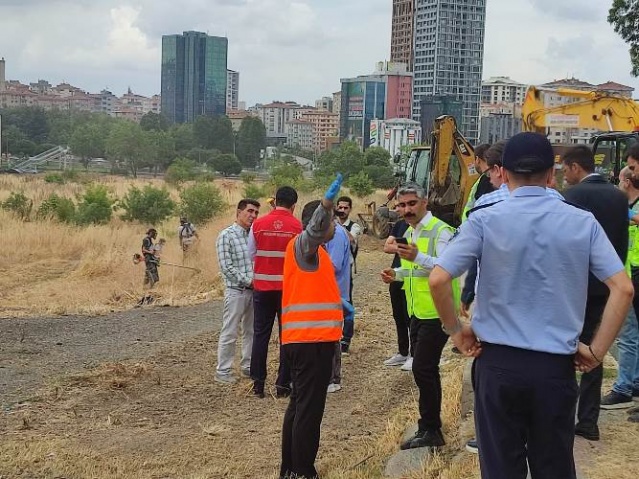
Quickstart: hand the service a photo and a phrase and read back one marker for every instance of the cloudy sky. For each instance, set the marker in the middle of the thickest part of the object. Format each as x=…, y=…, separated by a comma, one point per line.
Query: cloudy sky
x=290, y=49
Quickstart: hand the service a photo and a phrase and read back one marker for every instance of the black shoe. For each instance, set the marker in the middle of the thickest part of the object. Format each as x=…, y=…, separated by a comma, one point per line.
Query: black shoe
x=615, y=400
x=471, y=446
x=258, y=389
x=282, y=392
x=428, y=438
x=633, y=410
x=344, y=347
x=587, y=431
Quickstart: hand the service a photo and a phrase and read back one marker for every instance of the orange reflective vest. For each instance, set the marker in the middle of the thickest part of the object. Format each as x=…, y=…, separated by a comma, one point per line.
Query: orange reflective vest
x=311, y=304
x=272, y=233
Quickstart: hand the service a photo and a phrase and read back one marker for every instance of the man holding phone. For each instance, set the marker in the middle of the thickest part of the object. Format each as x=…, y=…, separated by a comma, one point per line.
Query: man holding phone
x=425, y=239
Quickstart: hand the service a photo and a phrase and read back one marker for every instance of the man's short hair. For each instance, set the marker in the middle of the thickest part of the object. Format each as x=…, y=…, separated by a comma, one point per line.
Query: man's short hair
x=581, y=155
x=285, y=197
x=412, y=189
x=495, y=153
x=345, y=199
x=625, y=173
x=480, y=150
x=307, y=212
x=633, y=151
x=247, y=201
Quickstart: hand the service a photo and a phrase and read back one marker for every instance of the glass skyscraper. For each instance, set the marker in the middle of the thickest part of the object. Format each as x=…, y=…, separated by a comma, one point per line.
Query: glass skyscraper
x=194, y=67
x=449, y=50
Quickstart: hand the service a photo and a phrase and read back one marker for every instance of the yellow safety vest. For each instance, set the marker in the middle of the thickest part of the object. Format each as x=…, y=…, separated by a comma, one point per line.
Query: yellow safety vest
x=633, y=245
x=418, y=298
x=470, y=202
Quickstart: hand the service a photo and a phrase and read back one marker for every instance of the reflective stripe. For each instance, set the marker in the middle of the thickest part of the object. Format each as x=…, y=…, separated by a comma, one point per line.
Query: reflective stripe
x=419, y=273
x=268, y=277
x=312, y=324
x=270, y=254
x=311, y=307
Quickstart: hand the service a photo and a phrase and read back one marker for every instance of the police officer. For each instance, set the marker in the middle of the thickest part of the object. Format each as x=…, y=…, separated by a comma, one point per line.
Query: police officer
x=525, y=330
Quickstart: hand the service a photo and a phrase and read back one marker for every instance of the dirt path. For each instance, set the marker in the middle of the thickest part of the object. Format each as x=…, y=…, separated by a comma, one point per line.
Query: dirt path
x=36, y=350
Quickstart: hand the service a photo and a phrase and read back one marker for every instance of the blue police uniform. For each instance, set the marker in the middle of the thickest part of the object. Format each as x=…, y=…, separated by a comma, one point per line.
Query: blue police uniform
x=535, y=253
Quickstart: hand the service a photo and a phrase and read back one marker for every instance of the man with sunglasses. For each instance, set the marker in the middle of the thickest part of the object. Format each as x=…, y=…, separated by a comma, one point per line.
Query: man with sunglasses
x=425, y=239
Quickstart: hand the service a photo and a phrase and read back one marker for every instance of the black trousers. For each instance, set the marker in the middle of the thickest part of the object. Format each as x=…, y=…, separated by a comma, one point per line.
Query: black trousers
x=311, y=366
x=591, y=382
x=428, y=340
x=400, y=315
x=267, y=305
x=525, y=408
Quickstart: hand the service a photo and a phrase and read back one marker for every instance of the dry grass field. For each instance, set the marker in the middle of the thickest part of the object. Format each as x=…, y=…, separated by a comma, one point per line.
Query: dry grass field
x=163, y=416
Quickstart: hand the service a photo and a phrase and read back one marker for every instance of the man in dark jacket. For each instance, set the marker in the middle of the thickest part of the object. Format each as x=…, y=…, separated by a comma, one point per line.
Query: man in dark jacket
x=609, y=206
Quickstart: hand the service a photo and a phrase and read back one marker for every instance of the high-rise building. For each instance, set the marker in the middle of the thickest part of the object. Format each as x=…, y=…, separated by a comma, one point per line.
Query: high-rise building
x=385, y=94
x=232, y=90
x=325, y=126
x=402, y=32
x=194, y=70
x=449, y=50
x=2, y=73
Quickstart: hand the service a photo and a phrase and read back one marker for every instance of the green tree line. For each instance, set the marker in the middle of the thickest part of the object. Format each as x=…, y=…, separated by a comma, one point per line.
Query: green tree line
x=152, y=144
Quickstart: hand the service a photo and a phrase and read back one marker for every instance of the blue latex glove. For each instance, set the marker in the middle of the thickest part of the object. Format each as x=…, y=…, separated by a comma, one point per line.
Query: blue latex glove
x=348, y=310
x=630, y=214
x=333, y=190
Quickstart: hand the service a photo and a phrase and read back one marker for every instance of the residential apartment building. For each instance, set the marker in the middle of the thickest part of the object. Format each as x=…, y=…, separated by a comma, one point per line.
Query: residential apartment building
x=276, y=115
x=394, y=134
x=448, y=56
x=324, y=103
x=385, y=94
x=300, y=134
x=402, y=32
x=498, y=90
x=194, y=75
x=232, y=90
x=325, y=126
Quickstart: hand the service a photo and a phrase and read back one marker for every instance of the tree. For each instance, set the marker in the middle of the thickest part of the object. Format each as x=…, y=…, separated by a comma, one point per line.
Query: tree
x=360, y=184
x=148, y=205
x=154, y=121
x=88, y=141
x=227, y=164
x=203, y=132
x=251, y=140
x=624, y=17
x=377, y=156
x=222, y=138
x=347, y=159
x=181, y=170
x=201, y=202
x=183, y=138
x=129, y=143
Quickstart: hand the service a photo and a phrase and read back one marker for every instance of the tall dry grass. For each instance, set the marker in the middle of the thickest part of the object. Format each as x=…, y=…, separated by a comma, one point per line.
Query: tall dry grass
x=47, y=267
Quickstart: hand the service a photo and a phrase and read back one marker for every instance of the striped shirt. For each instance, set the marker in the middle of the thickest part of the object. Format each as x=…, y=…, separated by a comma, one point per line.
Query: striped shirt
x=233, y=257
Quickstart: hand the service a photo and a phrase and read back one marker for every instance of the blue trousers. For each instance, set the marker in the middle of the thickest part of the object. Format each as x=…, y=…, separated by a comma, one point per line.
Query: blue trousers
x=628, y=344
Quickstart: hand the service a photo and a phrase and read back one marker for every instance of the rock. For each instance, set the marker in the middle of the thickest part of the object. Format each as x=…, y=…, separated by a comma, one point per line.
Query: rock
x=407, y=462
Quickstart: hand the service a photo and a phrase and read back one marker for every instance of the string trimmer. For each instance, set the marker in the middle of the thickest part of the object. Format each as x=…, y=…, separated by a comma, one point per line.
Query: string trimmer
x=137, y=259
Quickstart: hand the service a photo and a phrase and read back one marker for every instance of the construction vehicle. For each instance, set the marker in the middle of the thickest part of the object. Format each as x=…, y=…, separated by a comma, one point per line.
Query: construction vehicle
x=616, y=115
x=446, y=170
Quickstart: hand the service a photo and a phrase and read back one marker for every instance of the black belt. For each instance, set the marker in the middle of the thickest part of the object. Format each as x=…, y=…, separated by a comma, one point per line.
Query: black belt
x=240, y=288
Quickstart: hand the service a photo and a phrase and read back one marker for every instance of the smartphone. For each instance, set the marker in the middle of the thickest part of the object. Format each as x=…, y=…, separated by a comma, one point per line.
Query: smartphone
x=401, y=240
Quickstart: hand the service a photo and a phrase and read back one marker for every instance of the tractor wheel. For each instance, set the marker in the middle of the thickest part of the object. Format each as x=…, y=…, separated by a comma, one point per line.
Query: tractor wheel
x=381, y=225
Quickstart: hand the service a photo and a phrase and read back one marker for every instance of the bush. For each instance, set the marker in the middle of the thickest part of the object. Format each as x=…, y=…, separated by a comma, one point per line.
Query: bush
x=19, y=205
x=227, y=164
x=57, y=207
x=360, y=184
x=96, y=206
x=381, y=175
x=247, y=177
x=181, y=170
x=147, y=205
x=201, y=202
x=251, y=190
x=54, y=178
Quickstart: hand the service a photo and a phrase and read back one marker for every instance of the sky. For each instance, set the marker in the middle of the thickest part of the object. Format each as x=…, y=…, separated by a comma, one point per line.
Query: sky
x=291, y=49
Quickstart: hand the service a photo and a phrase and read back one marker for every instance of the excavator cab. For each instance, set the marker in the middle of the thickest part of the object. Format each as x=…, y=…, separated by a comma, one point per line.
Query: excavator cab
x=610, y=152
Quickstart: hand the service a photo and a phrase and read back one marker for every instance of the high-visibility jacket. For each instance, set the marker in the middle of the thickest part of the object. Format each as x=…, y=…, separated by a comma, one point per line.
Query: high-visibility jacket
x=311, y=303
x=418, y=298
x=272, y=233
x=470, y=202
x=632, y=260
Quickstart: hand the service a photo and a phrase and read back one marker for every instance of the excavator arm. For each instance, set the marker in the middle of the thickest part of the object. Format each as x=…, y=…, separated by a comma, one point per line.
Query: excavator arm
x=590, y=109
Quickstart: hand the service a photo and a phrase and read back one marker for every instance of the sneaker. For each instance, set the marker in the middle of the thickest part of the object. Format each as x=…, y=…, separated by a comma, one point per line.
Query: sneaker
x=396, y=360
x=345, y=347
x=587, y=431
x=428, y=438
x=408, y=365
x=282, y=392
x=225, y=378
x=471, y=446
x=333, y=388
x=614, y=400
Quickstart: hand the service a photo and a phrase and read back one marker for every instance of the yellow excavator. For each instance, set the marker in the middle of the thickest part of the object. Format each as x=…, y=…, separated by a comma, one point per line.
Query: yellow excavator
x=446, y=170
x=614, y=114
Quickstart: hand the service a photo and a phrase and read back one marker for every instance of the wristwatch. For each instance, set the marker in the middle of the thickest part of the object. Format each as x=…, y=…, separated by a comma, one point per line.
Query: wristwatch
x=458, y=327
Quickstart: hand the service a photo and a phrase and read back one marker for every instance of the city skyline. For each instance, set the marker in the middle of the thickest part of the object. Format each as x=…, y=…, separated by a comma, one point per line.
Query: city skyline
x=96, y=45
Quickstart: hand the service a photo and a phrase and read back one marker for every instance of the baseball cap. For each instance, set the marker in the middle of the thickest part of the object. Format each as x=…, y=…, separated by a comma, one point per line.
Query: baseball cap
x=528, y=153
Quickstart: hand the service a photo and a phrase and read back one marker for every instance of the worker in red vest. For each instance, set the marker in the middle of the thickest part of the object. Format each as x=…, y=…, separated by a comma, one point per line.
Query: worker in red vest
x=312, y=320
x=267, y=243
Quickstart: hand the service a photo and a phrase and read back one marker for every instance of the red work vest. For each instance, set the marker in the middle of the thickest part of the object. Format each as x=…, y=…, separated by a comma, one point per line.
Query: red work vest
x=311, y=303
x=272, y=233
